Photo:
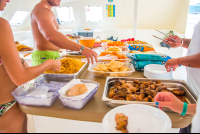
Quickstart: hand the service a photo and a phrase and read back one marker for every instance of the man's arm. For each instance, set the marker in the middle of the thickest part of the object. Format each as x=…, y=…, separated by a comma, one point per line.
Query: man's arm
x=188, y=61
x=44, y=19
x=186, y=43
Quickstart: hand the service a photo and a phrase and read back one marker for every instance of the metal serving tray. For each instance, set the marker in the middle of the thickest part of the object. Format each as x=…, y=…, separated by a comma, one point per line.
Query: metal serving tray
x=189, y=94
x=63, y=76
x=49, y=78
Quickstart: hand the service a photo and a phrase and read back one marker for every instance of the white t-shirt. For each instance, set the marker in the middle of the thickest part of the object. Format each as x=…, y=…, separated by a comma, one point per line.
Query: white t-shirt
x=193, y=74
x=196, y=120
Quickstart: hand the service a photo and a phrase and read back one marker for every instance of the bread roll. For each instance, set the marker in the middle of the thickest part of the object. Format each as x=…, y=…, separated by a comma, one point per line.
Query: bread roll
x=77, y=90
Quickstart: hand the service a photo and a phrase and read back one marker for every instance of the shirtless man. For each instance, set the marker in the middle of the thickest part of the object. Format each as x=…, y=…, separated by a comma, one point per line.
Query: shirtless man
x=48, y=39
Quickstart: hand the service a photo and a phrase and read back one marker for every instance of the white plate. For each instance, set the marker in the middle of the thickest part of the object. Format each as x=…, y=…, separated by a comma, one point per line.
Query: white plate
x=25, y=52
x=141, y=119
x=154, y=71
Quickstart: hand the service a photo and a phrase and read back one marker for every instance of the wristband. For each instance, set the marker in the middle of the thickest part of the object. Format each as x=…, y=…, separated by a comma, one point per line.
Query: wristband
x=81, y=50
x=185, y=106
x=182, y=42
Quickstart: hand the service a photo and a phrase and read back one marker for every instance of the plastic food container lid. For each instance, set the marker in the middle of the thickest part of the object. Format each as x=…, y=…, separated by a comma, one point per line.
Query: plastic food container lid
x=154, y=71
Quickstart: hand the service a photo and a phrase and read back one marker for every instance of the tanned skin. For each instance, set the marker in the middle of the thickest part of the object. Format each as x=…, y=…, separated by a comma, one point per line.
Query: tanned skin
x=14, y=74
x=46, y=34
x=168, y=99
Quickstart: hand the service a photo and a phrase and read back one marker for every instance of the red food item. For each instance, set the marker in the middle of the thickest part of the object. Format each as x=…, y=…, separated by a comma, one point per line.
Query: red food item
x=96, y=44
x=116, y=43
x=130, y=39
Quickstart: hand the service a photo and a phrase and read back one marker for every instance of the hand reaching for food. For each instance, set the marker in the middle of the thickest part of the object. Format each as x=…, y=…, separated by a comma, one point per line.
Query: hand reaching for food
x=169, y=100
x=90, y=54
x=55, y=65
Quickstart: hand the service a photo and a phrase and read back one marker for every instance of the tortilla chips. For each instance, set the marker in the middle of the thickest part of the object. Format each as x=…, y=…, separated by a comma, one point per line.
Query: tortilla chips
x=113, y=66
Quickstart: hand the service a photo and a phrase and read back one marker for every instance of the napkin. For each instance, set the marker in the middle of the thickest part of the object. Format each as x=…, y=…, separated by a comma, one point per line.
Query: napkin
x=63, y=91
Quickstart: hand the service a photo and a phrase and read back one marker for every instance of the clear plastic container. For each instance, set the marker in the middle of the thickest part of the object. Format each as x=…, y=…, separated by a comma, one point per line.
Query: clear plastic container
x=49, y=78
x=79, y=104
x=21, y=92
x=124, y=60
x=125, y=50
x=111, y=74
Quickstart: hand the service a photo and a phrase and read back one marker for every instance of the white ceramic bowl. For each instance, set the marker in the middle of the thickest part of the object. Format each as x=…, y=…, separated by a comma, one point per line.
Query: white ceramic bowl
x=141, y=119
x=154, y=71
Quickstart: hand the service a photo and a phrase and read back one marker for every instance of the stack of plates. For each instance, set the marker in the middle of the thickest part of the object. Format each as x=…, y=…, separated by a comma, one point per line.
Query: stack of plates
x=154, y=71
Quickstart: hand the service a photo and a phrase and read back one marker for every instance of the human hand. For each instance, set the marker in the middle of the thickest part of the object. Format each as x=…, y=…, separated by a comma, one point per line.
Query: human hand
x=90, y=54
x=173, y=43
x=55, y=65
x=169, y=100
x=172, y=63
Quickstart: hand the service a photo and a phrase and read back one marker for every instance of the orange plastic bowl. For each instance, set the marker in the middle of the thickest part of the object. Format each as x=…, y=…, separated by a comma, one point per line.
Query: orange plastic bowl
x=87, y=42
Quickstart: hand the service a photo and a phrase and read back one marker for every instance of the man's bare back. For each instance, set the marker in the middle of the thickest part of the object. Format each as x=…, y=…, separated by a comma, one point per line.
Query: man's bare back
x=41, y=43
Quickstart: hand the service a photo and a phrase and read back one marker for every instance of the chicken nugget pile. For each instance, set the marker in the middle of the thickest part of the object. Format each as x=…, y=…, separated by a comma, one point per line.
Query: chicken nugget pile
x=141, y=91
x=113, y=66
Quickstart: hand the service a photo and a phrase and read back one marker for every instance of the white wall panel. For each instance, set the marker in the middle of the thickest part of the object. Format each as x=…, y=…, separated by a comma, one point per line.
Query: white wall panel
x=159, y=14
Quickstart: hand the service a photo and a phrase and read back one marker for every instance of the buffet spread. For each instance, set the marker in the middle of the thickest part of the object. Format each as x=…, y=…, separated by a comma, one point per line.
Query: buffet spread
x=117, y=63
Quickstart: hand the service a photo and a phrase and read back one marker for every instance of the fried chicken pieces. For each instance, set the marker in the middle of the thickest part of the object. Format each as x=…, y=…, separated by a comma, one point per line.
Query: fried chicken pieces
x=122, y=122
x=140, y=91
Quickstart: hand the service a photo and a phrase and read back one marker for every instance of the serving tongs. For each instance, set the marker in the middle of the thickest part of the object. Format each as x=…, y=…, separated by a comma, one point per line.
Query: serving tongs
x=164, y=34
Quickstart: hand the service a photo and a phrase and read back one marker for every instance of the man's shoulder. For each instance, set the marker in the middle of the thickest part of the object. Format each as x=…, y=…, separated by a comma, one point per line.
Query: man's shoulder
x=41, y=11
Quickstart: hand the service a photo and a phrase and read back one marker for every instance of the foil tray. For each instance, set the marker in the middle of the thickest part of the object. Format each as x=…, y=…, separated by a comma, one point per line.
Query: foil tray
x=59, y=77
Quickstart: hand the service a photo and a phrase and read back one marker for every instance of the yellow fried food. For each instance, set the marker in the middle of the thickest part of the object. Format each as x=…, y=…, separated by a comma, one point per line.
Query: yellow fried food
x=77, y=90
x=115, y=49
x=17, y=43
x=137, y=42
x=113, y=66
x=68, y=66
x=22, y=48
x=62, y=69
